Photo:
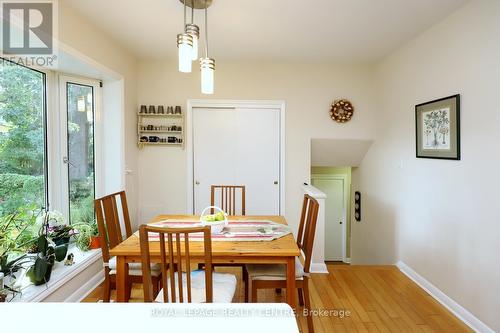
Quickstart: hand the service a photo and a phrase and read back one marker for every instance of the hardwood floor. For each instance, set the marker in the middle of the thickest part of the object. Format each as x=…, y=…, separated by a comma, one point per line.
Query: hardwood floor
x=367, y=299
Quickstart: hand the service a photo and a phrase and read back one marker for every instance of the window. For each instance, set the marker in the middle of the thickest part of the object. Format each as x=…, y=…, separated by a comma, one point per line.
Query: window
x=80, y=134
x=23, y=181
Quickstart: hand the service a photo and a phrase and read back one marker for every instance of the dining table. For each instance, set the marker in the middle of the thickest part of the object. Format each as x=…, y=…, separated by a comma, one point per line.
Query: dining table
x=282, y=251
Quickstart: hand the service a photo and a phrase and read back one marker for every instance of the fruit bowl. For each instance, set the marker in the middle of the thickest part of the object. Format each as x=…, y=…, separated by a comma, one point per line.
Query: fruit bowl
x=216, y=221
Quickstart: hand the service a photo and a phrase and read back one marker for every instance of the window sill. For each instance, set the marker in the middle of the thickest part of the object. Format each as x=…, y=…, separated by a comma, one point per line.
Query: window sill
x=61, y=274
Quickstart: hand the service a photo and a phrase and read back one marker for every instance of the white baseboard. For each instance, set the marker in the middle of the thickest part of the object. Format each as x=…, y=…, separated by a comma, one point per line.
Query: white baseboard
x=86, y=288
x=458, y=310
x=347, y=260
x=318, y=268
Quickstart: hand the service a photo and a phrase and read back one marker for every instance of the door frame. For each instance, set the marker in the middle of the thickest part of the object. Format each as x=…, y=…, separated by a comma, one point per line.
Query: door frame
x=344, y=207
x=231, y=104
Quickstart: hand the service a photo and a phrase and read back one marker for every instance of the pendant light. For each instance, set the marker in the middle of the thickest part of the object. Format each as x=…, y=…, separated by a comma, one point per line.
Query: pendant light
x=193, y=30
x=185, y=46
x=207, y=65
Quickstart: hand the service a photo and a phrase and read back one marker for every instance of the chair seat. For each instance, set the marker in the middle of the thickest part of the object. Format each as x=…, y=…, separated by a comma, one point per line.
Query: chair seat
x=274, y=272
x=134, y=268
x=224, y=287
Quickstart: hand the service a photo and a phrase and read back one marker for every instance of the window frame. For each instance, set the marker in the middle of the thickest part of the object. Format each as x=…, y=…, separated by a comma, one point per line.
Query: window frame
x=61, y=168
x=45, y=122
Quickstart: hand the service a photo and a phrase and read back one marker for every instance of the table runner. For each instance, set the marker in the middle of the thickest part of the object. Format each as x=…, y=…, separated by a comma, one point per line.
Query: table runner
x=235, y=231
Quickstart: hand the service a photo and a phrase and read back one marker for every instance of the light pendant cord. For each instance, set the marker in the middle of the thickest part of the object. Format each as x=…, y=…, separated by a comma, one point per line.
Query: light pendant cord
x=184, y=27
x=192, y=11
x=206, y=30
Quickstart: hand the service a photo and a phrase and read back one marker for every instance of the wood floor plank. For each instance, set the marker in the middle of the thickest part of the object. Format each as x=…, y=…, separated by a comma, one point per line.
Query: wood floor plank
x=377, y=298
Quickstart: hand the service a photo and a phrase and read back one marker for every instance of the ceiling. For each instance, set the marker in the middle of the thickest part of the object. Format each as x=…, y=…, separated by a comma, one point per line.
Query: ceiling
x=341, y=31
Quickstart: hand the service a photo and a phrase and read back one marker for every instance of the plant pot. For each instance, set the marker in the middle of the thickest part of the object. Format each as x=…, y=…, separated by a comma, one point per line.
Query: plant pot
x=61, y=241
x=60, y=252
x=2, y=298
x=95, y=242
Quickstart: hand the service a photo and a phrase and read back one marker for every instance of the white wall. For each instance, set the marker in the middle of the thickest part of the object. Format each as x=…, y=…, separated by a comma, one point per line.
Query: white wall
x=76, y=32
x=79, y=35
x=308, y=91
x=439, y=217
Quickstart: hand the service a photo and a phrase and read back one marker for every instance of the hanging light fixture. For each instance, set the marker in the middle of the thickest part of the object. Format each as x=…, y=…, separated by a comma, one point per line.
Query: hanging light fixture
x=185, y=46
x=193, y=30
x=207, y=65
x=188, y=42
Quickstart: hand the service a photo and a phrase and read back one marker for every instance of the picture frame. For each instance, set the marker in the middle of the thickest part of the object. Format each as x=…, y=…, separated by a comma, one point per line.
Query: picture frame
x=437, y=128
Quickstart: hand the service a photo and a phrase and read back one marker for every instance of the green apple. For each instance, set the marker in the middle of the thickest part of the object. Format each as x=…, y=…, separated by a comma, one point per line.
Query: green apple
x=219, y=216
x=209, y=218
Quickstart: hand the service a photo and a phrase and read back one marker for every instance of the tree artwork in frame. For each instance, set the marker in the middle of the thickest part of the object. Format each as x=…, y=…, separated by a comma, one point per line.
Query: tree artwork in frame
x=437, y=126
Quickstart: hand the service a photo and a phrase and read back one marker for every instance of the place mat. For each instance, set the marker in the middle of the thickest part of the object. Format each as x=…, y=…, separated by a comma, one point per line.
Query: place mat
x=235, y=231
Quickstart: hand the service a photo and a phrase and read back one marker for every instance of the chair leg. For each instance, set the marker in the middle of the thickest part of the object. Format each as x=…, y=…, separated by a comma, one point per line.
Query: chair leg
x=301, y=297
x=307, y=301
x=106, y=294
x=245, y=281
x=156, y=285
x=254, y=291
x=129, y=290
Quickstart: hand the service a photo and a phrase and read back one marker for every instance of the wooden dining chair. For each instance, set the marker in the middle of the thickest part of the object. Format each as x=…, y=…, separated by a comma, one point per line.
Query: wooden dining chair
x=228, y=203
x=110, y=235
x=228, y=198
x=274, y=276
x=181, y=285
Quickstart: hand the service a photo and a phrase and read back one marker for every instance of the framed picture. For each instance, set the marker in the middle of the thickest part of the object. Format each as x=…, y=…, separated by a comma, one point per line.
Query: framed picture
x=437, y=126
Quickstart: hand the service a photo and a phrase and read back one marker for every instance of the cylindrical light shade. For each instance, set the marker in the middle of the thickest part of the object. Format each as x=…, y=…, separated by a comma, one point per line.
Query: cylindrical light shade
x=207, y=66
x=185, y=46
x=194, y=31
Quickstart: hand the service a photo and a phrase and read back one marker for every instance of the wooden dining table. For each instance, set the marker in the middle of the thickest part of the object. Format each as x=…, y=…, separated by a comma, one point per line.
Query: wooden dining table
x=283, y=250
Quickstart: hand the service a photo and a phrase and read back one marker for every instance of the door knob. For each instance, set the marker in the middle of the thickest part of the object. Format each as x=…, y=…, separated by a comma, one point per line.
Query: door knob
x=340, y=222
x=197, y=183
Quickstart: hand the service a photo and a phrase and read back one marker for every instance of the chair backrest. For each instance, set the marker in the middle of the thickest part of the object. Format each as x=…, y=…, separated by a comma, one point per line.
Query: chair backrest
x=307, y=229
x=172, y=255
x=108, y=221
x=228, y=197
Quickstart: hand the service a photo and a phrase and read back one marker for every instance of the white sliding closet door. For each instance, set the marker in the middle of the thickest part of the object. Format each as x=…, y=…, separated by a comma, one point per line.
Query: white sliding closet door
x=238, y=147
x=258, y=159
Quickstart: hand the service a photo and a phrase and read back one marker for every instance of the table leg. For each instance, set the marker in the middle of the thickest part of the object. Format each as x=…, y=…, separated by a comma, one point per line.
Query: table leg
x=290, y=282
x=121, y=279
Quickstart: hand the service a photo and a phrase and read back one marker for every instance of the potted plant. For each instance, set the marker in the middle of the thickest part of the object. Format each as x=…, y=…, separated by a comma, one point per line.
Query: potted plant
x=95, y=240
x=57, y=229
x=48, y=254
x=88, y=236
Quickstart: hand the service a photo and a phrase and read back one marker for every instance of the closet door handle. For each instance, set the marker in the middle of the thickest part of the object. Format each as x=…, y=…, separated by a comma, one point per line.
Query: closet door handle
x=197, y=182
x=275, y=182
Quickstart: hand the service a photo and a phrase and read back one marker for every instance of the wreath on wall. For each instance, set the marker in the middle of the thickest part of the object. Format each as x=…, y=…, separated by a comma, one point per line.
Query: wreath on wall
x=341, y=110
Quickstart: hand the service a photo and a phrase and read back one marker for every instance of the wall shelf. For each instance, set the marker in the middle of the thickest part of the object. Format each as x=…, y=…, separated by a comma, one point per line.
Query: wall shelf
x=171, y=132
x=177, y=144
x=161, y=121
x=160, y=115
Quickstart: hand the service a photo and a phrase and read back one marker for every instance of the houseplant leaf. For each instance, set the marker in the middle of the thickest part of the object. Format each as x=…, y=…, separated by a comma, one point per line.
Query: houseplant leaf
x=39, y=269
x=42, y=244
